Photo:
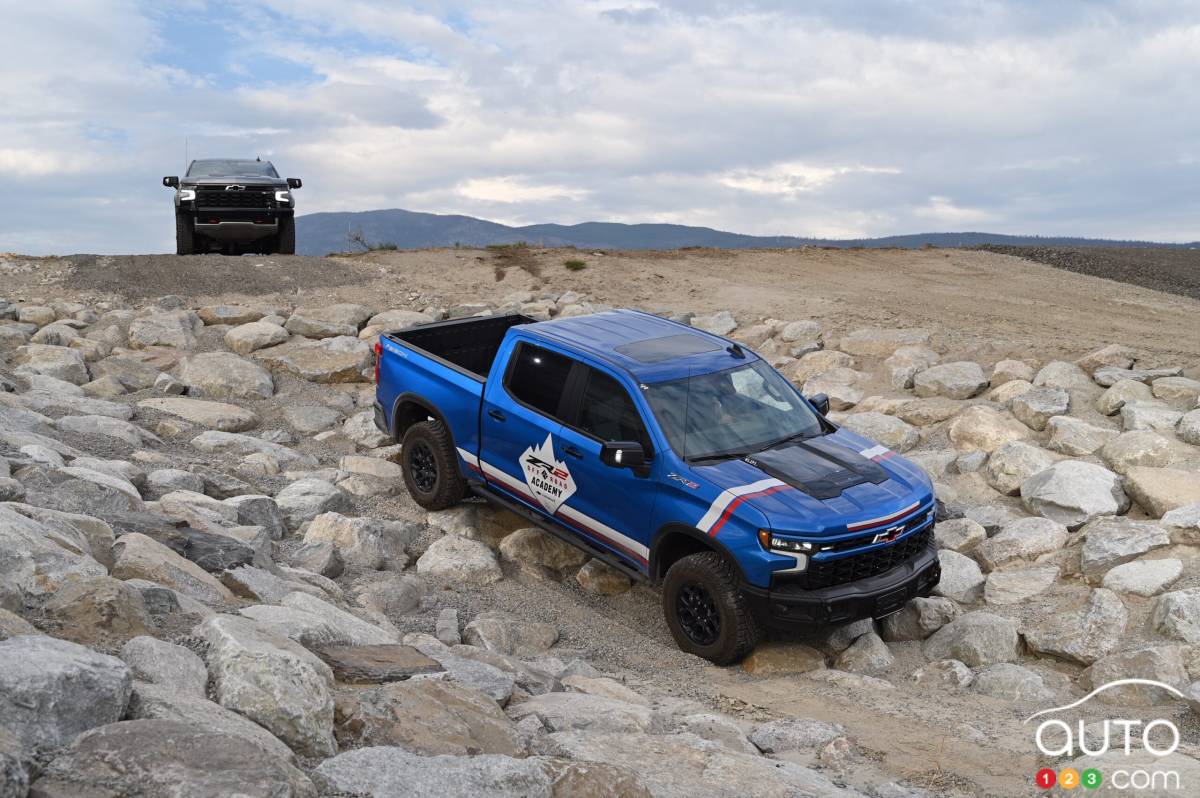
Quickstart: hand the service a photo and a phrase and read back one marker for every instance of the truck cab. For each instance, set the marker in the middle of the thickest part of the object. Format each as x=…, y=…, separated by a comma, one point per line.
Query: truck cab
x=234, y=205
x=677, y=456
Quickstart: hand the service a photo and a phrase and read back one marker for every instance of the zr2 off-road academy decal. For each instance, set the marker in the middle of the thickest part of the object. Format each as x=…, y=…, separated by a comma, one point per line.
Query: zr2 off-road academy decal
x=549, y=480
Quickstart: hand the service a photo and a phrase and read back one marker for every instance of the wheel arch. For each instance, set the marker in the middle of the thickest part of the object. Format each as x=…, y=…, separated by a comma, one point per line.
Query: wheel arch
x=410, y=408
x=674, y=541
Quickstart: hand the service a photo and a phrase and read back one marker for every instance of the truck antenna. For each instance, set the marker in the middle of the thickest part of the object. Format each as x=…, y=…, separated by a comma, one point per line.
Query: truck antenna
x=185, y=153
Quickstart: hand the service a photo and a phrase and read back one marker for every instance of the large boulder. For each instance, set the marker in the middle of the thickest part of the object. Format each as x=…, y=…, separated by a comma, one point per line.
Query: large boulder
x=251, y=337
x=978, y=638
x=1149, y=416
x=137, y=556
x=1084, y=635
x=52, y=690
x=128, y=434
x=1073, y=492
x=507, y=634
x=229, y=314
x=533, y=547
x=363, y=542
x=426, y=717
x=35, y=561
x=959, y=380
x=719, y=323
x=876, y=342
x=1035, y=407
x=213, y=415
x=1013, y=463
x=1010, y=682
x=272, y=681
x=332, y=360
x=160, y=758
x=583, y=712
x=1120, y=392
x=165, y=664
x=1109, y=542
x=217, y=442
x=224, y=375
x=460, y=560
x=1177, y=615
x=961, y=578
x=698, y=767
x=305, y=499
x=1160, y=490
x=888, y=430
x=1024, y=540
x=981, y=427
x=59, y=362
x=1137, y=448
x=1164, y=664
x=919, y=618
x=327, y=321
x=1018, y=585
x=175, y=328
x=1076, y=438
x=98, y=609
x=1143, y=577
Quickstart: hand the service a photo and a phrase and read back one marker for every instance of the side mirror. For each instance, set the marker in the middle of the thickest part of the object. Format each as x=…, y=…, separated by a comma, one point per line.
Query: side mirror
x=821, y=402
x=623, y=454
x=295, y=182
x=171, y=182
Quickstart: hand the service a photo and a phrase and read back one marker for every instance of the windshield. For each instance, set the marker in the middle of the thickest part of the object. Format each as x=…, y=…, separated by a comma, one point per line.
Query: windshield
x=730, y=413
x=231, y=169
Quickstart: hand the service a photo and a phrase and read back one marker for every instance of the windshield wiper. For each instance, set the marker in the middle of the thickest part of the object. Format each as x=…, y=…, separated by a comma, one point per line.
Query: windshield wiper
x=799, y=436
x=718, y=456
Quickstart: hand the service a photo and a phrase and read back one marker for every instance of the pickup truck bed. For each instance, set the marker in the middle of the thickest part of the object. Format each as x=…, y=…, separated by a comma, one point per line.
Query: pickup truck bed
x=468, y=345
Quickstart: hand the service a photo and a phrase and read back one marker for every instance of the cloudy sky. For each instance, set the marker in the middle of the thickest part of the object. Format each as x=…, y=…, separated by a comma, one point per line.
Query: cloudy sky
x=838, y=118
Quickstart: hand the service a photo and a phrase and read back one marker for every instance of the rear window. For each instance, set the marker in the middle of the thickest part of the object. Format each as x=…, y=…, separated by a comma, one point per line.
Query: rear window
x=538, y=378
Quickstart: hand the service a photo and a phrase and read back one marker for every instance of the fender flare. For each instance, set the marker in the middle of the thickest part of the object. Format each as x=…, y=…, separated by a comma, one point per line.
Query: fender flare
x=420, y=401
x=675, y=527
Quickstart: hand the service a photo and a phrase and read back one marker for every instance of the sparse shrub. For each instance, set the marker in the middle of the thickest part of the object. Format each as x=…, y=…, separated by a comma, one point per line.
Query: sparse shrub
x=575, y=265
x=385, y=245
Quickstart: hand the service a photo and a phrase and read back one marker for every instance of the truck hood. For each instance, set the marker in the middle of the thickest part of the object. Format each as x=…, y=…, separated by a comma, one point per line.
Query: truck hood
x=249, y=180
x=828, y=483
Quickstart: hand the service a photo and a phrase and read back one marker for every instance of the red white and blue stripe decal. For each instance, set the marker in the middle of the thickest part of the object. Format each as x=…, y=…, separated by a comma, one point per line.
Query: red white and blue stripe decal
x=729, y=499
x=584, y=524
x=858, y=526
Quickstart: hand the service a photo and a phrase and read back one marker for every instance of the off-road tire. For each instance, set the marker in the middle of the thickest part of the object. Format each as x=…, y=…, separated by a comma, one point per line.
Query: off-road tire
x=738, y=631
x=185, y=236
x=285, y=241
x=431, y=439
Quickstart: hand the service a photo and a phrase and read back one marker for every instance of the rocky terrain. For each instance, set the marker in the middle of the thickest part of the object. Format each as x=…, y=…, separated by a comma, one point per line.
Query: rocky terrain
x=212, y=583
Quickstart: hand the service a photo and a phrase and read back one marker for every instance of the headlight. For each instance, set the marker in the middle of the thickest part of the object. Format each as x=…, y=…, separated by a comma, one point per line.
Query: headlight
x=283, y=196
x=187, y=194
x=775, y=543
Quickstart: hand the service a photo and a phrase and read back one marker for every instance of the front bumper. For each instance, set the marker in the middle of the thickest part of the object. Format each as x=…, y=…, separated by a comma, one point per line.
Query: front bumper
x=795, y=609
x=241, y=224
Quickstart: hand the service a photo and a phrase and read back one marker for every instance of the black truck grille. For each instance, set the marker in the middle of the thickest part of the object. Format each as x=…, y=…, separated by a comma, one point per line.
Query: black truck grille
x=248, y=197
x=826, y=573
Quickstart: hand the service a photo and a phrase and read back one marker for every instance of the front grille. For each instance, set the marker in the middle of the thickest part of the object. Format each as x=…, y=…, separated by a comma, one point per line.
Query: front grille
x=867, y=538
x=826, y=573
x=250, y=197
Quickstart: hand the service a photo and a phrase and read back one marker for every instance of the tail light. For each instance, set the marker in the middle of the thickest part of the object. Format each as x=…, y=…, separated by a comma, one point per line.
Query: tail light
x=378, y=357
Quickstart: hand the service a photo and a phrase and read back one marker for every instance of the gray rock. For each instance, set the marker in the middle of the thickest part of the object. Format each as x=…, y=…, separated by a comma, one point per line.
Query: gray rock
x=460, y=560
x=942, y=674
x=217, y=442
x=447, y=627
x=794, y=734
x=168, y=480
x=719, y=323
x=1163, y=664
x=33, y=560
x=1143, y=577
x=1073, y=492
x=959, y=534
x=305, y=499
x=1160, y=490
x=258, y=510
x=919, y=618
x=471, y=672
x=311, y=419
x=327, y=321
x=1132, y=449
x=906, y=362
x=1013, y=463
x=1112, y=541
x=1120, y=392
x=888, y=430
x=1176, y=389
x=977, y=639
x=272, y=681
x=1188, y=429
x=838, y=386
x=981, y=427
x=213, y=415
x=1035, y=407
x=363, y=542
x=1149, y=415
x=1110, y=375
x=224, y=375
x=534, y=548
x=1177, y=615
x=1066, y=376
x=961, y=579
x=1183, y=523
x=958, y=380
x=356, y=632
x=175, y=329
x=1022, y=540
x=867, y=654
x=169, y=757
x=1076, y=438
x=331, y=360
x=52, y=690
x=137, y=556
x=877, y=342
x=15, y=762
x=1017, y=586
x=1011, y=683
x=53, y=361
x=498, y=631
x=255, y=335
x=165, y=664
x=320, y=558
x=1085, y=635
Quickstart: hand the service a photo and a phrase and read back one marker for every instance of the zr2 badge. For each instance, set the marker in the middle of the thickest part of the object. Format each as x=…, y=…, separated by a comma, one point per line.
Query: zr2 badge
x=549, y=480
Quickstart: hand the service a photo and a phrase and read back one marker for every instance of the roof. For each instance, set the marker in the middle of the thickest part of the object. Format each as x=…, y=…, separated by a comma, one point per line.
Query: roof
x=644, y=345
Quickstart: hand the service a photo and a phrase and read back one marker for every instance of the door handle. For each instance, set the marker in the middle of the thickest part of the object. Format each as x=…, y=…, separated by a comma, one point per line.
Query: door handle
x=573, y=452
x=496, y=414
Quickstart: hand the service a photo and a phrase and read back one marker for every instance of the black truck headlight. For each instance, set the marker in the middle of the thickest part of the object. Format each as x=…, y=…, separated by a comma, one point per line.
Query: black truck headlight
x=283, y=196
x=797, y=549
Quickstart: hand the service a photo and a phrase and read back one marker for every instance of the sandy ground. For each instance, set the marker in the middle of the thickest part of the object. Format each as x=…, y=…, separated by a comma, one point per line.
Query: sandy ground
x=977, y=304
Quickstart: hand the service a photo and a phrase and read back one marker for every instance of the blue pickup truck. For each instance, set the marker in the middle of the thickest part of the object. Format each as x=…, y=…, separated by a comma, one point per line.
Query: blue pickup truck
x=673, y=455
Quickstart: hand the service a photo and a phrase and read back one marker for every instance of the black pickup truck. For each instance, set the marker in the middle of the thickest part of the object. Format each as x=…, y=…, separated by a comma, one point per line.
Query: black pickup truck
x=234, y=206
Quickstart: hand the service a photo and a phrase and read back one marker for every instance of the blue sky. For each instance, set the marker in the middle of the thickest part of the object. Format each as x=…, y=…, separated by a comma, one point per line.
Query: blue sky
x=827, y=118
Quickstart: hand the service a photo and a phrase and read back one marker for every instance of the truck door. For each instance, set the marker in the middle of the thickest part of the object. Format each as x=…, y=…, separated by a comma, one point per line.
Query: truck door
x=610, y=503
x=518, y=426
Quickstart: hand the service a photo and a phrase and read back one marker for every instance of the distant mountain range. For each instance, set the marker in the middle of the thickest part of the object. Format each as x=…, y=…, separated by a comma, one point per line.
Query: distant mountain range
x=322, y=233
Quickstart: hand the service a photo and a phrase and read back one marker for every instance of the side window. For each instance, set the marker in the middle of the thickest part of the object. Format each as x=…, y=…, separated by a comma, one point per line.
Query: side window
x=538, y=378
x=607, y=411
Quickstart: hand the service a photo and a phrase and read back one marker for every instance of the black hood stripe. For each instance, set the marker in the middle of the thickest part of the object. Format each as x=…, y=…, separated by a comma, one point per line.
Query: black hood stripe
x=819, y=467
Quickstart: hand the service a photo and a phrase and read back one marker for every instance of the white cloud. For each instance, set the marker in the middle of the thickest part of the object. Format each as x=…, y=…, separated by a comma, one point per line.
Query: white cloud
x=764, y=116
